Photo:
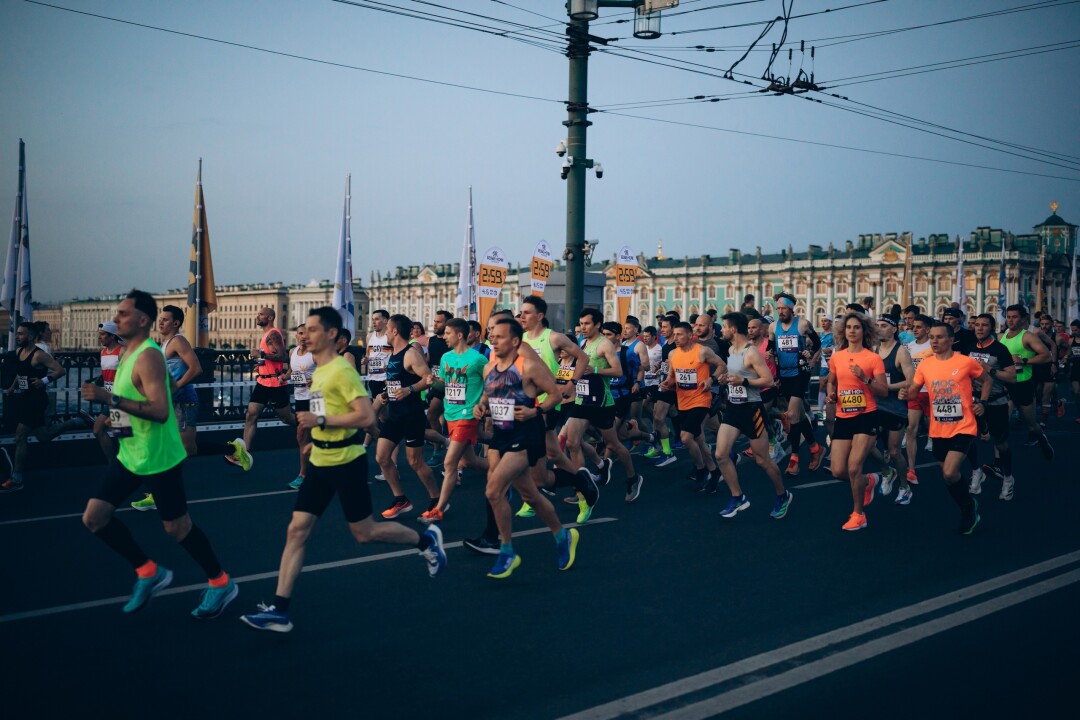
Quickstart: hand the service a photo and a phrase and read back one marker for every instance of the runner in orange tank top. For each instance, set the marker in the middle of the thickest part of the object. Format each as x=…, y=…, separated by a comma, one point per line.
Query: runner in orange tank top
x=271, y=387
x=856, y=375
x=947, y=377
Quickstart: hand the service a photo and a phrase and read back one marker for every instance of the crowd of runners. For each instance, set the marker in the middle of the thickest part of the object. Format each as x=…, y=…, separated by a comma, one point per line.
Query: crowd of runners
x=548, y=417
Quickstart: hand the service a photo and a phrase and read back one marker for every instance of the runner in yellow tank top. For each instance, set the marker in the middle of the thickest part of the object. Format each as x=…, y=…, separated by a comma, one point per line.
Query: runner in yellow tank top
x=151, y=453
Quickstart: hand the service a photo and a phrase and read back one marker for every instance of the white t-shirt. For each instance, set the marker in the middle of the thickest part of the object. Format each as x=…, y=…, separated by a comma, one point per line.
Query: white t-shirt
x=379, y=352
x=301, y=368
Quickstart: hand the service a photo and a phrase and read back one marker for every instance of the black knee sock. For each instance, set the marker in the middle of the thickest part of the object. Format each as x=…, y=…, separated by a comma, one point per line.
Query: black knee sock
x=198, y=547
x=959, y=492
x=281, y=603
x=807, y=430
x=569, y=479
x=795, y=435
x=117, y=536
x=1005, y=460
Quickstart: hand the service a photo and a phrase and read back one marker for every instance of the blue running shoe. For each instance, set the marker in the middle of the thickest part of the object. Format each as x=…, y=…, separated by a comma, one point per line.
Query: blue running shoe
x=268, y=618
x=568, y=549
x=664, y=460
x=780, y=507
x=505, y=564
x=678, y=445
x=295, y=484
x=146, y=588
x=434, y=555
x=735, y=506
x=214, y=600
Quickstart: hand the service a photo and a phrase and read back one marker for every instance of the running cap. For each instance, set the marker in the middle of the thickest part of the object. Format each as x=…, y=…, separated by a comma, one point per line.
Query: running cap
x=110, y=327
x=953, y=312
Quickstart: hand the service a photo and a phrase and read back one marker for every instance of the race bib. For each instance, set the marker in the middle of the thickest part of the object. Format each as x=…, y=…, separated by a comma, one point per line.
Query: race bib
x=582, y=387
x=119, y=424
x=686, y=379
x=377, y=363
x=788, y=343
x=502, y=412
x=948, y=411
x=1076, y=351
x=651, y=379
x=664, y=369
x=852, y=401
x=298, y=378
x=108, y=386
x=564, y=375
x=737, y=393
x=22, y=383
x=455, y=393
x=392, y=388
x=318, y=404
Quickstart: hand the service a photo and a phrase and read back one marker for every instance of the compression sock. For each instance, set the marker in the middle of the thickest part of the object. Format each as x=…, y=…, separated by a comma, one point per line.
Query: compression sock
x=117, y=536
x=198, y=547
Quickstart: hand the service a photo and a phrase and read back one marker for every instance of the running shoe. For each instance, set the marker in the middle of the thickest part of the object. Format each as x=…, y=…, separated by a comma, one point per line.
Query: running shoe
x=434, y=515
x=214, y=600
x=872, y=481
x=793, y=466
x=505, y=564
x=1061, y=408
x=779, y=433
x=678, y=445
x=1046, y=447
x=570, y=499
x=817, y=452
x=240, y=456
x=664, y=460
x=970, y=518
x=912, y=478
x=435, y=556
x=857, y=521
x=777, y=452
x=929, y=444
x=380, y=478
x=888, y=478
x=295, y=484
x=1007, y=487
x=482, y=545
x=712, y=485
x=567, y=549
x=587, y=499
x=993, y=471
x=147, y=503
x=10, y=486
x=460, y=472
x=977, y=477
x=1032, y=441
x=652, y=453
x=437, y=457
x=633, y=489
x=780, y=507
x=397, y=508
x=605, y=471
x=146, y=588
x=747, y=454
x=904, y=496
x=735, y=506
x=785, y=422
x=268, y=618
x=526, y=511
x=903, y=441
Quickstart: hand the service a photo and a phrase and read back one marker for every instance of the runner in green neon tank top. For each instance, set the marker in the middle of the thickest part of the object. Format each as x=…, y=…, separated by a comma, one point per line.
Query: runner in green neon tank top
x=595, y=405
x=151, y=454
x=1027, y=350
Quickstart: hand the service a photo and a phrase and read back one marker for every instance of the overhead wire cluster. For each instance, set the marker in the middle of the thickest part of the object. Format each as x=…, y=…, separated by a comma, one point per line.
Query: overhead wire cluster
x=555, y=40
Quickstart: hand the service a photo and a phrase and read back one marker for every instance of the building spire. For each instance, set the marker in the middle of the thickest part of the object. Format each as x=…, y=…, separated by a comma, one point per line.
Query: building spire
x=659, y=249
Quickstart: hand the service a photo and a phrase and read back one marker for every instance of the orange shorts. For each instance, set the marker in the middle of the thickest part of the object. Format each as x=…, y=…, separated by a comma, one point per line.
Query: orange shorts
x=920, y=402
x=463, y=431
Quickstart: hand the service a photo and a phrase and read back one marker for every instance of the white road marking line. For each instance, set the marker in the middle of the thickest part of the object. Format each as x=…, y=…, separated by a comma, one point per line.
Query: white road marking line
x=747, y=694
x=701, y=681
x=29, y=614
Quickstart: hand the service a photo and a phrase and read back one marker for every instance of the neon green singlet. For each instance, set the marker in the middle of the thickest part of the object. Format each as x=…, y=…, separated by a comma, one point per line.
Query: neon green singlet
x=153, y=447
x=597, y=363
x=1015, y=345
x=542, y=346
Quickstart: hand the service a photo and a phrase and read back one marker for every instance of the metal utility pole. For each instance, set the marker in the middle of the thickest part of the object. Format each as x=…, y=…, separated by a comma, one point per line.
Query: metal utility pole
x=577, y=122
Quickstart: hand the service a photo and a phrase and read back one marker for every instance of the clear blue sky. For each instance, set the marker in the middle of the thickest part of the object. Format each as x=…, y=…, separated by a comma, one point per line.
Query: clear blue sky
x=116, y=117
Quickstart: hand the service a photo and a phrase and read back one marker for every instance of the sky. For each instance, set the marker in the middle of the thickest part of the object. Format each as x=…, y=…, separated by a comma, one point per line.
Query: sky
x=116, y=117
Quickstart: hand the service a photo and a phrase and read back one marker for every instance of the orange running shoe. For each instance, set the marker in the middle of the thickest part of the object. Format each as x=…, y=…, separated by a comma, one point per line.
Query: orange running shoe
x=817, y=452
x=871, y=483
x=857, y=521
x=785, y=422
x=912, y=478
x=793, y=466
x=398, y=507
x=434, y=515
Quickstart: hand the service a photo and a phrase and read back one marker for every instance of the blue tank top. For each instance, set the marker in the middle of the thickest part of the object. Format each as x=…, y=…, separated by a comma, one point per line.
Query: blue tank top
x=505, y=389
x=177, y=369
x=789, y=343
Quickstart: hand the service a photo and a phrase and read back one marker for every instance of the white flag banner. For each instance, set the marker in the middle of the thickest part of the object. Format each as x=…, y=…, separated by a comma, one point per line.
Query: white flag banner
x=466, y=304
x=16, y=294
x=1074, y=301
x=959, y=295
x=343, y=274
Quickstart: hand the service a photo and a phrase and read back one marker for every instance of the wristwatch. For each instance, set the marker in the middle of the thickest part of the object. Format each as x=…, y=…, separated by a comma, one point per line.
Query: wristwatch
x=320, y=420
x=115, y=402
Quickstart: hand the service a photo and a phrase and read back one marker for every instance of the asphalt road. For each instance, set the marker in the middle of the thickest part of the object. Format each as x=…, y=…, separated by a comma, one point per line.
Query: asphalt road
x=670, y=611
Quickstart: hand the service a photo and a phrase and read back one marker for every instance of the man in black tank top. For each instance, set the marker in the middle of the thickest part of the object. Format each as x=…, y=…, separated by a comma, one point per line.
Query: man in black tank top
x=406, y=377
x=35, y=370
x=893, y=414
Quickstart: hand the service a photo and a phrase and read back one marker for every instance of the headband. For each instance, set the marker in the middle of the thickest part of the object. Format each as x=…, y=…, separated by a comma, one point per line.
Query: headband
x=786, y=302
x=888, y=318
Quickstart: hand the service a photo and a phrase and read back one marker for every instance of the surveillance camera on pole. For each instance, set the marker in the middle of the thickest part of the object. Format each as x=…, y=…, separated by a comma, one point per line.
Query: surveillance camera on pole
x=599, y=170
x=567, y=163
x=560, y=149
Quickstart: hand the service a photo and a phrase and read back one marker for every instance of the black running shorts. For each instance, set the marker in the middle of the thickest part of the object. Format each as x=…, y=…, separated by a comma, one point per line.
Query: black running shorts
x=409, y=426
x=795, y=387
x=865, y=423
x=275, y=397
x=1022, y=393
x=748, y=417
x=348, y=481
x=956, y=443
x=167, y=488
